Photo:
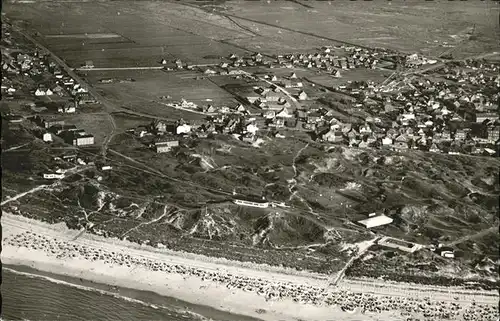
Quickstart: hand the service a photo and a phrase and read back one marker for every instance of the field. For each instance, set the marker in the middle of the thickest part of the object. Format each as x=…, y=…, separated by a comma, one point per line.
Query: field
x=164, y=32
x=144, y=93
x=416, y=26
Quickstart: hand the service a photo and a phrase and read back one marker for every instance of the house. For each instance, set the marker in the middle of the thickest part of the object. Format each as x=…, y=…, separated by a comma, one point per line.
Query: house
x=386, y=141
x=284, y=113
x=287, y=83
x=84, y=98
x=178, y=64
x=434, y=149
x=209, y=71
x=183, y=129
x=40, y=92
x=252, y=99
x=460, y=134
x=277, y=122
x=159, y=126
x=53, y=176
x=67, y=108
x=365, y=130
x=248, y=138
x=401, y=142
x=333, y=136
x=273, y=96
x=302, y=95
x=52, y=123
x=494, y=134
x=209, y=109
x=47, y=137
x=314, y=117
x=241, y=109
x=140, y=131
x=165, y=145
x=269, y=114
x=251, y=128
x=446, y=251
x=89, y=64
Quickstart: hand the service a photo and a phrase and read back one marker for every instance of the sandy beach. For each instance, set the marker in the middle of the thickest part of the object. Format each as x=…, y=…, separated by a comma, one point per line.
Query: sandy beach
x=258, y=291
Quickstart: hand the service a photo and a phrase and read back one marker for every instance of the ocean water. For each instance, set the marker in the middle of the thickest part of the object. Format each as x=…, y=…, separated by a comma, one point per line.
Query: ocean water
x=28, y=294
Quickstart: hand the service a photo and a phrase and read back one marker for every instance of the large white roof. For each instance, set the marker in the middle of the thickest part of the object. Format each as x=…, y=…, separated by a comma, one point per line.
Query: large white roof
x=376, y=221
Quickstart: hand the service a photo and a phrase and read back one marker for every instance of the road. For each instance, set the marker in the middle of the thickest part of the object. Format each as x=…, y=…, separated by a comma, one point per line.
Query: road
x=362, y=248
x=119, y=68
x=479, y=234
x=18, y=196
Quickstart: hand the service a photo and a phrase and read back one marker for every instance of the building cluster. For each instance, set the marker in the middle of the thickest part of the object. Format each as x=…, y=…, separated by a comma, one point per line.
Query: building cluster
x=436, y=116
x=50, y=80
x=69, y=133
x=329, y=60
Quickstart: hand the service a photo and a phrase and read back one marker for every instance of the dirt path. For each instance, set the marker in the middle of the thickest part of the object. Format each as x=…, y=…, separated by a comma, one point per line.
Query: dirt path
x=473, y=236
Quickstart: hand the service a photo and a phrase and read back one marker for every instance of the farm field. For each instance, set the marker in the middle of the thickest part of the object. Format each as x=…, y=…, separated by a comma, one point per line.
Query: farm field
x=416, y=26
x=165, y=32
x=149, y=85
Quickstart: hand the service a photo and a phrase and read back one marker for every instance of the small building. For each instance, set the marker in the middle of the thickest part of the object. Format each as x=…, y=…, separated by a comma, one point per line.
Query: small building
x=302, y=95
x=165, y=145
x=446, y=251
x=494, y=134
x=251, y=203
x=183, y=129
x=53, y=176
x=51, y=123
x=84, y=98
x=81, y=138
x=89, y=64
x=159, y=126
x=375, y=221
x=333, y=136
x=47, y=137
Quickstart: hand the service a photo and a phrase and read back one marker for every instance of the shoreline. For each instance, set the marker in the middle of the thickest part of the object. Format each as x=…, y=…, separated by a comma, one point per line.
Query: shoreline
x=257, y=293
x=146, y=298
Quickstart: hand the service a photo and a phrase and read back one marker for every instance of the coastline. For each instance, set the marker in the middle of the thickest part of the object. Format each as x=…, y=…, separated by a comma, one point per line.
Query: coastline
x=146, y=298
x=183, y=287
x=260, y=292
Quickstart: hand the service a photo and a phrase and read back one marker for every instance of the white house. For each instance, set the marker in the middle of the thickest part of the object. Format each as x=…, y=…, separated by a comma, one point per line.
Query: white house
x=40, y=92
x=251, y=128
x=284, y=113
x=183, y=129
x=47, y=137
x=386, y=141
x=302, y=95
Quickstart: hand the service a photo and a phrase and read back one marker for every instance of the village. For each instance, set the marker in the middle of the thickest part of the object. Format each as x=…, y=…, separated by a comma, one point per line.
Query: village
x=363, y=163
x=453, y=110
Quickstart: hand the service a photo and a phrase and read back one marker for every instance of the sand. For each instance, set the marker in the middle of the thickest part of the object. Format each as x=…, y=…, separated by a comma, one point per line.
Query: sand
x=258, y=291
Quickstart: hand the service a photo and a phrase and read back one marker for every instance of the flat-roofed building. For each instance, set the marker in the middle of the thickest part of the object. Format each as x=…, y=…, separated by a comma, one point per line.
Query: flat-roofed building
x=83, y=139
x=375, y=221
x=165, y=145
